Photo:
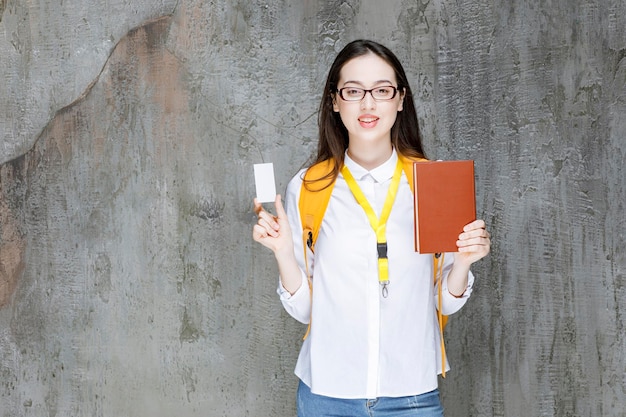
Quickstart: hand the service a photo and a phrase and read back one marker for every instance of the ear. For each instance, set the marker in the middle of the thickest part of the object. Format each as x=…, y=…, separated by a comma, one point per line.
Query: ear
x=335, y=106
x=401, y=102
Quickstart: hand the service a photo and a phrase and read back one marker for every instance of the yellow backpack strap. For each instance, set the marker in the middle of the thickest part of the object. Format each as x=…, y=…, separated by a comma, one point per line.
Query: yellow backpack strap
x=443, y=320
x=407, y=163
x=314, y=200
x=312, y=206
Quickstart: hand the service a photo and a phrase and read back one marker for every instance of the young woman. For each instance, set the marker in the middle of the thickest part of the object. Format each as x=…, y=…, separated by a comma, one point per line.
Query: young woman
x=372, y=350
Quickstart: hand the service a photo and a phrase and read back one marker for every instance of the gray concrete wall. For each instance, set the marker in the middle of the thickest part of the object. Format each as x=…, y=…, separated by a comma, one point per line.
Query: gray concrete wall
x=129, y=285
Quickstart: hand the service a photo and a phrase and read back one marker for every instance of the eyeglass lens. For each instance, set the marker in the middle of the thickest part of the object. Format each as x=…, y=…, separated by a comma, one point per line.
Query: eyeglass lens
x=357, y=94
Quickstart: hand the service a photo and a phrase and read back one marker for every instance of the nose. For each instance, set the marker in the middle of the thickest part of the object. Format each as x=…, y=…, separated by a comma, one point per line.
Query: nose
x=368, y=102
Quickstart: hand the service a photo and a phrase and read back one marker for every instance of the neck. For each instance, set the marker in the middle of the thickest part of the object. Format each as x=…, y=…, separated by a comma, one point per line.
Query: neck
x=370, y=156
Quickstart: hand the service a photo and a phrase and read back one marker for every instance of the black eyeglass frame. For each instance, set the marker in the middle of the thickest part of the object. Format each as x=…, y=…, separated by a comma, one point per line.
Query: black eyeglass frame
x=339, y=92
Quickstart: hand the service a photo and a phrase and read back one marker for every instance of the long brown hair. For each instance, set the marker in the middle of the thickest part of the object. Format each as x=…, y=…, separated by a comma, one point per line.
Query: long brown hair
x=333, y=135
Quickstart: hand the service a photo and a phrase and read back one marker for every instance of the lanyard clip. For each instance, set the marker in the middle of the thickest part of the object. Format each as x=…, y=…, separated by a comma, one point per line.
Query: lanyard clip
x=384, y=289
x=382, y=250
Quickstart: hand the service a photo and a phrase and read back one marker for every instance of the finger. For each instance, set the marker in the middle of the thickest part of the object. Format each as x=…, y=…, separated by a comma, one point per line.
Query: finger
x=473, y=242
x=271, y=227
x=267, y=225
x=263, y=214
x=474, y=233
x=258, y=232
x=476, y=224
x=280, y=210
x=258, y=207
x=476, y=252
x=269, y=220
x=477, y=241
x=476, y=228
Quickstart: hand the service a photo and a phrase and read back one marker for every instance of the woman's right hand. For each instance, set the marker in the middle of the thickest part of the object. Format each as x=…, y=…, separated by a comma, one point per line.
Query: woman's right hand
x=271, y=231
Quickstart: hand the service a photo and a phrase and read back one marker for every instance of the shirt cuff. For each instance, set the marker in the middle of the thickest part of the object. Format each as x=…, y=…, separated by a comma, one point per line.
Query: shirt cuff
x=287, y=296
x=452, y=303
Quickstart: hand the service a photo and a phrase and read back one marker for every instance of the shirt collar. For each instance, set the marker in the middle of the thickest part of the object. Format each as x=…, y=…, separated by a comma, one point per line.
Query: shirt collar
x=380, y=174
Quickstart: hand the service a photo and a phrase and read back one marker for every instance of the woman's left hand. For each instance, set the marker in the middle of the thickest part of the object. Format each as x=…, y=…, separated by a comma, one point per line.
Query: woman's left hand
x=474, y=243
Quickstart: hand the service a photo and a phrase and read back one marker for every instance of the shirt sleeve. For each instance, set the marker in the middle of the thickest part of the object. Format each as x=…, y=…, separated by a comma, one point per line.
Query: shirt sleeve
x=298, y=304
x=450, y=303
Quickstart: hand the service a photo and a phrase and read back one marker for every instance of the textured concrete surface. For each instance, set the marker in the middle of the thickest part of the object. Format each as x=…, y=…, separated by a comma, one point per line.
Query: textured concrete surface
x=129, y=285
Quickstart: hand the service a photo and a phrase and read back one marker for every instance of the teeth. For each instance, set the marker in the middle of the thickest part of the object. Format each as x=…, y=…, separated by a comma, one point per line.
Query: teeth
x=367, y=120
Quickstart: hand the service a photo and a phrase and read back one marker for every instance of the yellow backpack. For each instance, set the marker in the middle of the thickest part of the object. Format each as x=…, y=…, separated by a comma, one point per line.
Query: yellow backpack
x=312, y=206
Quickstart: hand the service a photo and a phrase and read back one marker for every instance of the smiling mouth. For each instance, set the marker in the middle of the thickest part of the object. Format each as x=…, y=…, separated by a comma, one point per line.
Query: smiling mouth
x=367, y=119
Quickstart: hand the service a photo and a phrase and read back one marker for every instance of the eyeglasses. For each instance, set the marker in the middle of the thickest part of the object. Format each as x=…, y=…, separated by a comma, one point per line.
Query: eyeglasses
x=385, y=92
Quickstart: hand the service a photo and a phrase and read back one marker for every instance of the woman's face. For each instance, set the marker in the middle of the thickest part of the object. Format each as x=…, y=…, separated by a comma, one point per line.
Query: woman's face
x=367, y=119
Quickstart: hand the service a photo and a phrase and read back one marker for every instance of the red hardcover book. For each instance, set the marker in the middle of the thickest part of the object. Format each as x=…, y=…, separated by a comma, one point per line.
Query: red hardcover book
x=445, y=201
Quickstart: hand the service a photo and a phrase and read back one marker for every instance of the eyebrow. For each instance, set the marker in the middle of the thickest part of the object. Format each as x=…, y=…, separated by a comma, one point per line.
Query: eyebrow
x=375, y=83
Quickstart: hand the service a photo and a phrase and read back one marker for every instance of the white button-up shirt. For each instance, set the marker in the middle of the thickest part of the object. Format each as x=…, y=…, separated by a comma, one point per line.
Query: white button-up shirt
x=363, y=345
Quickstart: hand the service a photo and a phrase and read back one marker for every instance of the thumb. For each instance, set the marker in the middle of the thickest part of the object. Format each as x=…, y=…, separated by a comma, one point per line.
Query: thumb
x=280, y=210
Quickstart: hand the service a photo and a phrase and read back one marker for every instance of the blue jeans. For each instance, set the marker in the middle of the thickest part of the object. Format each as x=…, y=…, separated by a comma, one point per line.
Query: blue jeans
x=313, y=405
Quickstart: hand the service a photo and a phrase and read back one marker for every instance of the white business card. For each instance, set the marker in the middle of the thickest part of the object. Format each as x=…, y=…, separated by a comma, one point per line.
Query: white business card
x=265, y=183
